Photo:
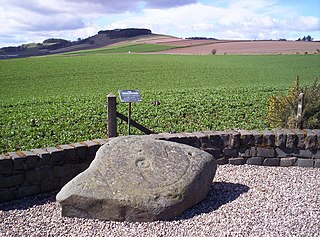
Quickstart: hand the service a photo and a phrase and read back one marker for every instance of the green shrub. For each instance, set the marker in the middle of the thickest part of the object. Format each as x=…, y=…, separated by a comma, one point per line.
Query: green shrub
x=311, y=113
x=283, y=109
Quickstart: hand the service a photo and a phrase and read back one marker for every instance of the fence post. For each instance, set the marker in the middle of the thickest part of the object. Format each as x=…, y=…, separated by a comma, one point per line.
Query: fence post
x=112, y=115
x=300, y=109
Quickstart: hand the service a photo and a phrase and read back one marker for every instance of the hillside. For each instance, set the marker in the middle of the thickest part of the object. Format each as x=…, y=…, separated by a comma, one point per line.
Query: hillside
x=52, y=46
x=144, y=41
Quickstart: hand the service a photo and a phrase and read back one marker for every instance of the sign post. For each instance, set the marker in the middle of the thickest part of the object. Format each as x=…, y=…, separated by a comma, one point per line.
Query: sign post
x=129, y=117
x=129, y=96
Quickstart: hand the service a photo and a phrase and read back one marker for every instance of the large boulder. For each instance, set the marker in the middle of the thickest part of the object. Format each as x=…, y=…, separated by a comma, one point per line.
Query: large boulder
x=137, y=178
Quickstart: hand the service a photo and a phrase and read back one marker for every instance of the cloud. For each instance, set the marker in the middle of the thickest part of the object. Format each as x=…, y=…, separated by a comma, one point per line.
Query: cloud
x=116, y=6
x=303, y=23
x=19, y=16
x=259, y=19
x=252, y=4
x=102, y=6
x=168, y=3
x=53, y=22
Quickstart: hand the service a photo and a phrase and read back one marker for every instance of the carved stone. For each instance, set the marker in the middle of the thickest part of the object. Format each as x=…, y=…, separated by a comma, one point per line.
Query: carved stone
x=136, y=178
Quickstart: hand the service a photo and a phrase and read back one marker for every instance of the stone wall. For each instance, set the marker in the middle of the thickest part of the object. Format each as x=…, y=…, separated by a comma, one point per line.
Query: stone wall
x=270, y=148
x=26, y=173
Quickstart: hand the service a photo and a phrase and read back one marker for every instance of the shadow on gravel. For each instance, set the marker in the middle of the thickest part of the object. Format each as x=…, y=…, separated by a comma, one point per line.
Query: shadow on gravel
x=220, y=193
x=27, y=202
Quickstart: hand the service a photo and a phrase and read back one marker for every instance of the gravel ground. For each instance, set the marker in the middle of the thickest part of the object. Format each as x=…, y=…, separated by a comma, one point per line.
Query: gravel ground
x=243, y=201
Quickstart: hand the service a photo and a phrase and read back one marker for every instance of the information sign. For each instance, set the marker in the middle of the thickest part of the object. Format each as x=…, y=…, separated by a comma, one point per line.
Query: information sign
x=128, y=96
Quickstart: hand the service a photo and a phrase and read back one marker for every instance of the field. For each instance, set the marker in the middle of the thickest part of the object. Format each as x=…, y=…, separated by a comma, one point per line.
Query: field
x=61, y=99
x=125, y=48
x=223, y=47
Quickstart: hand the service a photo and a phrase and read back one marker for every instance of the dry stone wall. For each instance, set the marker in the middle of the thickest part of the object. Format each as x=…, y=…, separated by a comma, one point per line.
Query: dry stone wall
x=26, y=173
x=270, y=148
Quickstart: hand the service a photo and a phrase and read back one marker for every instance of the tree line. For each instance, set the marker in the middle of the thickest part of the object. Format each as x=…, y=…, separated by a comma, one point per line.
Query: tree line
x=306, y=38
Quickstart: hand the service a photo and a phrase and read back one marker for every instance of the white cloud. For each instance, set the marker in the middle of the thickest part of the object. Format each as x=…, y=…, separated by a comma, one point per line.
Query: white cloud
x=252, y=4
x=303, y=23
x=203, y=27
x=241, y=19
x=31, y=20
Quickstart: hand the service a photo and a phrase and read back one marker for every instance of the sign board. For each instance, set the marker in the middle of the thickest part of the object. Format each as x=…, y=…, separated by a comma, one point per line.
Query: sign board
x=128, y=96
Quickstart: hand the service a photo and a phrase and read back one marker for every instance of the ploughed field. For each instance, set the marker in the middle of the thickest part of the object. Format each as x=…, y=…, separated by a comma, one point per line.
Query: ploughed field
x=250, y=47
x=53, y=100
x=161, y=44
x=222, y=47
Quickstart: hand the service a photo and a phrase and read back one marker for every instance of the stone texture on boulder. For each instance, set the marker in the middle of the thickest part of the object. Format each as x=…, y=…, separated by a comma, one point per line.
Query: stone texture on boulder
x=137, y=178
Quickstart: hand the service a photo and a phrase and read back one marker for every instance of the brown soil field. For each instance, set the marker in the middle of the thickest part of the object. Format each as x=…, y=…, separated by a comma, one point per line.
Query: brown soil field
x=152, y=39
x=204, y=47
x=253, y=47
x=158, y=39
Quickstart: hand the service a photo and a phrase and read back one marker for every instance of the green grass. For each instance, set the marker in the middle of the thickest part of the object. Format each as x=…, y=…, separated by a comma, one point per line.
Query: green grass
x=125, y=48
x=59, y=100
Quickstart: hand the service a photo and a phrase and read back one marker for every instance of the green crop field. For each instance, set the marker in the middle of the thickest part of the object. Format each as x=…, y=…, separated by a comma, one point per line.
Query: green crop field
x=62, y=99
x=124, y=48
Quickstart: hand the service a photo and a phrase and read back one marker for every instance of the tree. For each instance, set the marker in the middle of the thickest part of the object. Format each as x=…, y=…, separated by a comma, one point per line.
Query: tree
x=309, y=38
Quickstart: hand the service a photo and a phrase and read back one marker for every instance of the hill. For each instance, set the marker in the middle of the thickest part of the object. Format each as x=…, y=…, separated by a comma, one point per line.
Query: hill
x=133, y=40
x=52, y=46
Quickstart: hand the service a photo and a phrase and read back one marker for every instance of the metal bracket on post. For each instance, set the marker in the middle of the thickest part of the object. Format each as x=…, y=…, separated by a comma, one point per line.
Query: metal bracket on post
x=129, y=118
x=112, y=115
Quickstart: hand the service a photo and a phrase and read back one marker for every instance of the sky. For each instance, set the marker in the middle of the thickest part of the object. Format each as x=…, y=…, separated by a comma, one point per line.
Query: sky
x=26, y=21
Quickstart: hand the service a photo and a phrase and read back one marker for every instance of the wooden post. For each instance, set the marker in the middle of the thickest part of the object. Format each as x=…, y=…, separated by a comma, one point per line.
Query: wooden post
x=112, y=115
x=300, y=110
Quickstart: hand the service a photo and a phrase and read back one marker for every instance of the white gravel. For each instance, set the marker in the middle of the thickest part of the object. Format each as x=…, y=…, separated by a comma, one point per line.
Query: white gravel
x=243, y=201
